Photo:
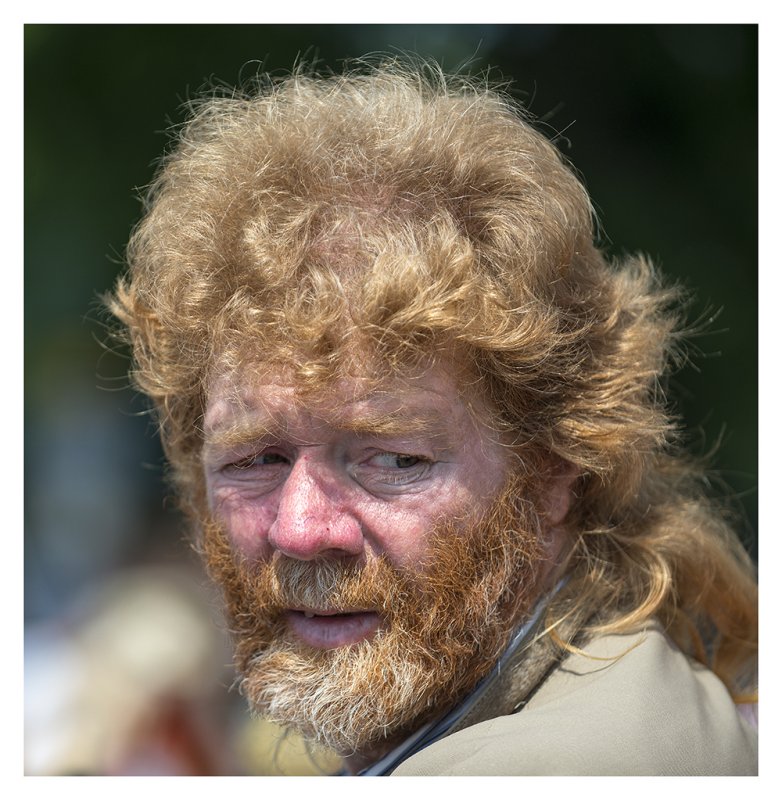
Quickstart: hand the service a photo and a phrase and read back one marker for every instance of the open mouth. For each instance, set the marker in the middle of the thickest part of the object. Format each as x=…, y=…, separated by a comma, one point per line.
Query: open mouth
x=311, y=614
x=324, y=629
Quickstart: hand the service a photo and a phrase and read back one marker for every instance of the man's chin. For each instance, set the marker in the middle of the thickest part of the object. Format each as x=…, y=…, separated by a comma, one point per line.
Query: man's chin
x=354, y=698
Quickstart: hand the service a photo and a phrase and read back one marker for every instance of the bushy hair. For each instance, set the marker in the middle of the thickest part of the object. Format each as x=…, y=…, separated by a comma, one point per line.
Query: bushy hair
x=389, y=214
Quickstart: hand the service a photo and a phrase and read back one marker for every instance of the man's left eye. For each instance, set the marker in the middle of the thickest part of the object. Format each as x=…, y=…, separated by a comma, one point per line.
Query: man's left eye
x=396, y=461
x=385, y=471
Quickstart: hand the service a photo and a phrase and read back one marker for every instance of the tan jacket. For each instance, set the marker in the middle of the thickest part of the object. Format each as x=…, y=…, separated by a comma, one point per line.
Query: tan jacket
x=644, y=709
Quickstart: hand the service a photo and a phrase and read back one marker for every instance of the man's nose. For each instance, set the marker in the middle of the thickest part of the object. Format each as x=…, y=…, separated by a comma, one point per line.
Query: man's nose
x=311, y=521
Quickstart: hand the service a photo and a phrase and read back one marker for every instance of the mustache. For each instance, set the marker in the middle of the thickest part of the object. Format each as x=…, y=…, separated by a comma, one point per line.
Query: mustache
x=336, y=585
x=260, y=592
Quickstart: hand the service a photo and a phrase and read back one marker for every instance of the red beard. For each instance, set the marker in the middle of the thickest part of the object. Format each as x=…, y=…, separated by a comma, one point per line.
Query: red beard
x=444, y=626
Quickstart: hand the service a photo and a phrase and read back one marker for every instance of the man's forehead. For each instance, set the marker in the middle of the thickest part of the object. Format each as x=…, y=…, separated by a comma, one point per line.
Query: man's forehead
x=421, y=398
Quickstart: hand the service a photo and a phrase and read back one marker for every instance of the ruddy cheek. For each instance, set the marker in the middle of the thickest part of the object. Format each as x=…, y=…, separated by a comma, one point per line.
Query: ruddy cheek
x=247, y=528
x=403, y=537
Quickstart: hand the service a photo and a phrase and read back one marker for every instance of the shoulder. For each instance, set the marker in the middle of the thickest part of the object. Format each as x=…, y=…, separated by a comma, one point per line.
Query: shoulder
x=634, y=705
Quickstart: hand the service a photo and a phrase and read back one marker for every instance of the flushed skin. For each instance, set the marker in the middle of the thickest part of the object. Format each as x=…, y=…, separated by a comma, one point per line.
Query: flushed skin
x=362, y=228
x=324, y=481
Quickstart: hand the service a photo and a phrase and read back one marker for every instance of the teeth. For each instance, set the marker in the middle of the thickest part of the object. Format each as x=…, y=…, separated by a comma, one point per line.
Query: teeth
x=308, y=614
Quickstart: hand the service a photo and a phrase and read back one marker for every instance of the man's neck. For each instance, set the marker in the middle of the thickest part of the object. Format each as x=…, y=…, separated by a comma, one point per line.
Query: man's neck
x=357, y=762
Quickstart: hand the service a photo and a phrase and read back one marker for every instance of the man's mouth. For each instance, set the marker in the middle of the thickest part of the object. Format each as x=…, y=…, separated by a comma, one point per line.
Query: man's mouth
x=324, y=629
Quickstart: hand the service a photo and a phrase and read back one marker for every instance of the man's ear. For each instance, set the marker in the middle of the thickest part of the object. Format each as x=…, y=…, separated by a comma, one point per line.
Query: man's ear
x=557, y=492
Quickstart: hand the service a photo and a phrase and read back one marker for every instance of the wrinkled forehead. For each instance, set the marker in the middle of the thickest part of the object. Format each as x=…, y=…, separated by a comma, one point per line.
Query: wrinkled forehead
x=363, y=399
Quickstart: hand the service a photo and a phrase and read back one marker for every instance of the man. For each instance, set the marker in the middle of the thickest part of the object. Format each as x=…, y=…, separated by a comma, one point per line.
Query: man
x=416, y=419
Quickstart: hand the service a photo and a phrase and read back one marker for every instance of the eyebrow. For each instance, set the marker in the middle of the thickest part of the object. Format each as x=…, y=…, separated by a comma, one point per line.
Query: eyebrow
x=368, y=423
x=240, y=433
x=401, y=422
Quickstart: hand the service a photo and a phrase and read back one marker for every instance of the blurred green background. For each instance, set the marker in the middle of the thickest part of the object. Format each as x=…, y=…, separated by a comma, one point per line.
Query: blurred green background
x=660, y=120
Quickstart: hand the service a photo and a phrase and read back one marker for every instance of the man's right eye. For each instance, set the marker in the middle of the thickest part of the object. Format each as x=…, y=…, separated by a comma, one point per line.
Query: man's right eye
x=257, y=460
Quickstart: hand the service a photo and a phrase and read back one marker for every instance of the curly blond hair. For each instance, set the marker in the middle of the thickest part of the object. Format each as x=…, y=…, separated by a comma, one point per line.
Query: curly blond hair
x=399, y=213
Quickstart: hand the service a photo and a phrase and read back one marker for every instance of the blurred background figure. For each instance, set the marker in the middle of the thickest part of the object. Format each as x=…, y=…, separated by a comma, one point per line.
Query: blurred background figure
x=127, y=669
x=128, y=681
x=133, y=680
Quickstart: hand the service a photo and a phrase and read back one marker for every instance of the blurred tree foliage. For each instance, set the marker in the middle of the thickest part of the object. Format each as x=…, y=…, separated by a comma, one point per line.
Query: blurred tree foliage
x=661, y=122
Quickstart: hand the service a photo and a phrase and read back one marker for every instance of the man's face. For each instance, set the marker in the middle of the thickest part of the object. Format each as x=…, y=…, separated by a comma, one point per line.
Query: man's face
x=353, y=475
x=350, y=534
